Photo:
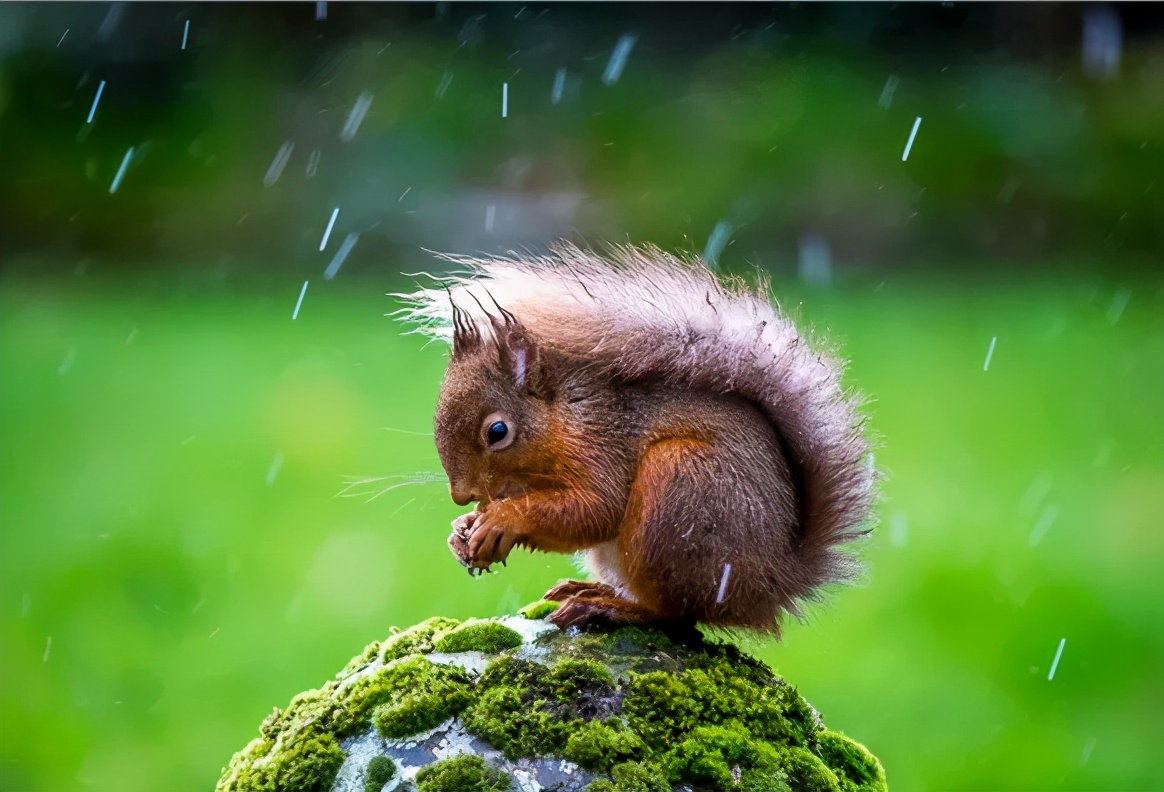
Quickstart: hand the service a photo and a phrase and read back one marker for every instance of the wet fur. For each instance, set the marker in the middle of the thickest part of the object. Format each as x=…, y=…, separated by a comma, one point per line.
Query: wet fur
x=668, y=422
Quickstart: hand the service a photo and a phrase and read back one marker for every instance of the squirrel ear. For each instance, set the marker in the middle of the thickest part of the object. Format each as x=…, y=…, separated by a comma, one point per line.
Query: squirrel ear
x=519, y=355
x=518, y=352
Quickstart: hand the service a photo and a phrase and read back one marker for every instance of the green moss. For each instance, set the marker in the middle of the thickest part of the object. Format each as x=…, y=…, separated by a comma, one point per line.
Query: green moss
x=316, y=708
x=478, y=636
x=380, y=771
x=807, y=773
x=569, y=676
x=416, y=640
x=269, y=728
x=514, y=672
x=462, y=774
x=516, y=724
x=632, y=777
x=663, y=707
x=371, y=651
x=527, y=709
x=717, y=754
x=764, y=781
x=600, y=745
x=420, y=712
x=629, y=703
x=855, y=768
x=539, y=610
x=637, y=777
x=414, y=677
x=634, y=640
x=309, y=763
x=241, y=762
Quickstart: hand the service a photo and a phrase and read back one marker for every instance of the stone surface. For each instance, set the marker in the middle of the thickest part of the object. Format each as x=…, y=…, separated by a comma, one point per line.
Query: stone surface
x=623, y=709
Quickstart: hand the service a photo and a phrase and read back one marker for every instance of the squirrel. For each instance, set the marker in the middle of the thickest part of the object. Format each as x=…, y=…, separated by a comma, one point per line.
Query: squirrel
x=673, y=426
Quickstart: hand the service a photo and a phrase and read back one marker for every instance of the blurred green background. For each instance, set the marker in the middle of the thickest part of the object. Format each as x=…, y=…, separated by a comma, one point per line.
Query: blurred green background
x=174, y=557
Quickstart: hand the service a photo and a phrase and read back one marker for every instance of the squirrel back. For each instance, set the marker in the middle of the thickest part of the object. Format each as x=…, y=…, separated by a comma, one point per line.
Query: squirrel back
x=642, y=315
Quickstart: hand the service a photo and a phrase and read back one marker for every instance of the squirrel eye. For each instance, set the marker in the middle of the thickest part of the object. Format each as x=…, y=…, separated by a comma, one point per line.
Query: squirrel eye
x=498, y=431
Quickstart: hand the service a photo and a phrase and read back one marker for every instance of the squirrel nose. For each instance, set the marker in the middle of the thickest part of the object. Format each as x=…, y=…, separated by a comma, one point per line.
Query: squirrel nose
x=461, y=495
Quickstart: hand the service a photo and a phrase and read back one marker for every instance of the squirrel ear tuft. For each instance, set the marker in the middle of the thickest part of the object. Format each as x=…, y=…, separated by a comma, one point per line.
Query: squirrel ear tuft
x=516, y=350
x=466, y=334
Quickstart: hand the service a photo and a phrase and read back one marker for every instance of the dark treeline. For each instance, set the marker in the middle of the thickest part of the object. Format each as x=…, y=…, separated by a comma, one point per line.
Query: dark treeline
x=1041, y=130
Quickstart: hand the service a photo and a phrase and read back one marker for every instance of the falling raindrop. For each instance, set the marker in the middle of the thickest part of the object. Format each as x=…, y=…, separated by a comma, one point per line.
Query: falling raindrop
x=1118, y=303
x=312, y=163
x=356, y=116
x=1103, y=41
x=303, y=291
x=912, y=135
x=67, y=363
x=112, y=20
x=446, y=80
x=1036, y=493
x=989, y=353
x=618, y=57
x=887, y=92
x=277, y=164
x=717, y=242
x=96, y=99
x=723, y=583
x=1043, y=524
x=121, y=171
x=327, y=231
x=559, y=86
x=1055, y=662
x=273, y=470
x=341, y=255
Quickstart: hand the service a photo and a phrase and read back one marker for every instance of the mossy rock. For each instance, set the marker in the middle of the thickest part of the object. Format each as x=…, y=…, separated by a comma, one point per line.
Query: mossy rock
x=516, y=704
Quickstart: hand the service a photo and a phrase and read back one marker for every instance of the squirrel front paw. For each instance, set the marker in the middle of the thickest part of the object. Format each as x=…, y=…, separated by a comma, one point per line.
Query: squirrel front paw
x=479, y=540
x=459, y=540
x=490, y=539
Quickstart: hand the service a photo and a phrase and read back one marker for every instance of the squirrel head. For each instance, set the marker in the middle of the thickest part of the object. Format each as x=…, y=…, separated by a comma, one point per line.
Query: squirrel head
x=494, y=417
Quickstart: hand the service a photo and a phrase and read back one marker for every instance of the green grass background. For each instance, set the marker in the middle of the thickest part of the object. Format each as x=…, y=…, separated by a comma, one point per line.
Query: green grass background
x=184, y=597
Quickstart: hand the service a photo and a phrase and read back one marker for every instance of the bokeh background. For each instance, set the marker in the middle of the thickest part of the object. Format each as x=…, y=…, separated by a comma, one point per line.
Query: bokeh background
x=179, y=418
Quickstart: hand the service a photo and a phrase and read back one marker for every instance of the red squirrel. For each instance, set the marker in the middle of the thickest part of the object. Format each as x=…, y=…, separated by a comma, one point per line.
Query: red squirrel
x=674, y=427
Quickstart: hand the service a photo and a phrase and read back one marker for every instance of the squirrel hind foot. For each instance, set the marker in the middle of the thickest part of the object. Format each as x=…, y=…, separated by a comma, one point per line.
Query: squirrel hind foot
x=578, y=588
x=596, y=609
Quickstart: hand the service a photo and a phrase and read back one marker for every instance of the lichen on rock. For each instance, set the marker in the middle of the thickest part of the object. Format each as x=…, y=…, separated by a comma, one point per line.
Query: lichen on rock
x=516, y=704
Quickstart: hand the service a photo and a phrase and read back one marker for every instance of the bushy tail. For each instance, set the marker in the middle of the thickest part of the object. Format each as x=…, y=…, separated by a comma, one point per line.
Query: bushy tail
x=644, y=314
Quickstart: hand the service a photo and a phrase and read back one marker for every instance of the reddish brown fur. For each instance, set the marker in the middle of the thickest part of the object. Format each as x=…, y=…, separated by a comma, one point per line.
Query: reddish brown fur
x=664, y=480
